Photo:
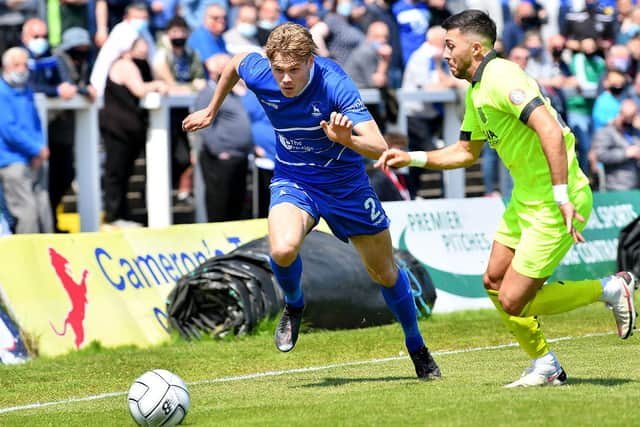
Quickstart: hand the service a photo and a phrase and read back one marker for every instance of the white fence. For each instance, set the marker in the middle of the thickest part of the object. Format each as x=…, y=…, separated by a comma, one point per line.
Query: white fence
x=158, y=151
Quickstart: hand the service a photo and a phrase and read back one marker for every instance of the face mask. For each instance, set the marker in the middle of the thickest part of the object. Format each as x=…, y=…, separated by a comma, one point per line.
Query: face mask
x=535, y=51
x=376, y=45
x=247, y=30
x=16, y=78
x=38, y=46
x=78, y=55
x=139, y=24
x=616, y=90
x=557, y=52
x=178, y=42
x=620, y=64
x=529, y=21
x=267, y=25
x=627, y=126
x=344, y=9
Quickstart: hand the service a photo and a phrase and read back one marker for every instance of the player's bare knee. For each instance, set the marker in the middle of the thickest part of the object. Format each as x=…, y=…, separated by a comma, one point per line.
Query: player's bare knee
x=386, y=277
x=510, y=306
x=283, y=253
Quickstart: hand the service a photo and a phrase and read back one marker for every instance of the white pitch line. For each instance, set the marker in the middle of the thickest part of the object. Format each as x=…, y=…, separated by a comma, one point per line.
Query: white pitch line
x=38, y=405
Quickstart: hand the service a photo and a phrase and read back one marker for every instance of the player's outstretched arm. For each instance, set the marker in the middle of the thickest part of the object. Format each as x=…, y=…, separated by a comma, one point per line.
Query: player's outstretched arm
x=462, y=154
x=228, y=79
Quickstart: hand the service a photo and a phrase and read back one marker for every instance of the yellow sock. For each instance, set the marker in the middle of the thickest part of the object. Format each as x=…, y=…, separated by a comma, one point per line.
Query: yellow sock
x=560, y=297
x=526, y=330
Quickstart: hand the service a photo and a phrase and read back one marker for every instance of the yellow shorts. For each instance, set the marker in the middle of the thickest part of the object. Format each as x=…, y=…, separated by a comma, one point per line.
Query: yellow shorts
x=538, y=234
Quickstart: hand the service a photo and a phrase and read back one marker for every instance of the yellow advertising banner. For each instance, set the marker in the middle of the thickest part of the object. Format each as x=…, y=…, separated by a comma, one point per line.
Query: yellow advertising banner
x=69, y=290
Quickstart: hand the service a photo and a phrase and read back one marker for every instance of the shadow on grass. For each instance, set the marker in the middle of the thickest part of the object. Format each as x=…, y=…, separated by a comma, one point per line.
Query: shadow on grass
x=332, y=382
x=599, y=381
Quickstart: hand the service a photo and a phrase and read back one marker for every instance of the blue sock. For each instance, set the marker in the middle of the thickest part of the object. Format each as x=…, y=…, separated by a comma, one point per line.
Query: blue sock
x=289, y=280
x=399, y=299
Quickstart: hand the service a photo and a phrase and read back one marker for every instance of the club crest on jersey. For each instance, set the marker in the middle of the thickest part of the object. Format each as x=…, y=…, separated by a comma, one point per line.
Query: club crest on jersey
x=315, y=109
x=516, y=96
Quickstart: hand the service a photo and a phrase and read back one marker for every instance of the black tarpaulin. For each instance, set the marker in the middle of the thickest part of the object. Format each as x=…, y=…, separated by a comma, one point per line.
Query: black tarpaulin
x=629, y=248
x=233, y=292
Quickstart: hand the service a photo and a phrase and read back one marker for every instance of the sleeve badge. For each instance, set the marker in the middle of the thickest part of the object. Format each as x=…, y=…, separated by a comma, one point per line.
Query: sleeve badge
x=516, y=96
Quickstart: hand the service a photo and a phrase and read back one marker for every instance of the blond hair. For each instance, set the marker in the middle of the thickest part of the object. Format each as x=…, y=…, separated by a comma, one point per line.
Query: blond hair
x=291, y=41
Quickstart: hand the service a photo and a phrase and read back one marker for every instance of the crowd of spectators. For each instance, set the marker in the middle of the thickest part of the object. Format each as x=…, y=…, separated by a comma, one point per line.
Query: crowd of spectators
x=584, y=53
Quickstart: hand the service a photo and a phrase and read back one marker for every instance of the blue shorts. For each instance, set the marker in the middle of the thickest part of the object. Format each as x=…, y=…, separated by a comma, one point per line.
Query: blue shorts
x=349, y=212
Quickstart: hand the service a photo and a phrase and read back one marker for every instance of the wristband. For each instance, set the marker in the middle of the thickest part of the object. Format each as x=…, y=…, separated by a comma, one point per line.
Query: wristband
x=418, y=158
x=560, y=194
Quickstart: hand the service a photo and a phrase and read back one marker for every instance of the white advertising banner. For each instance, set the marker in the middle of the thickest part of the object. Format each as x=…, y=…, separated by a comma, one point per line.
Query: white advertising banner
x=452, y=239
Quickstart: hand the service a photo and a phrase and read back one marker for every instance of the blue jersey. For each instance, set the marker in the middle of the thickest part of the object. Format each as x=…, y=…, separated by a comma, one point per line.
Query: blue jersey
x=303, y=151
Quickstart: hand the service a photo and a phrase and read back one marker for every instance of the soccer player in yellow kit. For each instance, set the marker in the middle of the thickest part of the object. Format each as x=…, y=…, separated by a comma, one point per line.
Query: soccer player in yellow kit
x=551, y=198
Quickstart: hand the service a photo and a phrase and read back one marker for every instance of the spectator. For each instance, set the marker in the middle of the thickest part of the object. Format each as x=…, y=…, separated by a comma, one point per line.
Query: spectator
x=269, y=16
x=181, y=69
x=591, y=22
x=194, y=11
x=123, y=124
x=587, y=68
x=207, y=39
x=426, y=70
x=628, y=21
x=539, y=64
x=243, y=36
x=22, y=144
x=617, y=148
x=162, y=12
x=49, y=76
x=412, y=17
x=226, y=146
x=607, y=104
x=65, y=14
x=438, y=12
x=72, y=58
x=524, y=19
x=299, y=11
x=618, y=57
x=335, y=35
x=13, y=15
x=634, y=60
x=110, y=13
x=120, y=40
x=368, y=66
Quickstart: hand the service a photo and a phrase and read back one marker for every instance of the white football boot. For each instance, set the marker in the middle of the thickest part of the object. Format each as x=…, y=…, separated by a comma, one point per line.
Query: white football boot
x=538, y=377
x=620, y=301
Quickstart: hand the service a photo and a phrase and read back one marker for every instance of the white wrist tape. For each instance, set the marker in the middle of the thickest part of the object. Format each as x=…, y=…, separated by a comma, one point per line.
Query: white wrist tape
x=560, y=194
x=418, y=158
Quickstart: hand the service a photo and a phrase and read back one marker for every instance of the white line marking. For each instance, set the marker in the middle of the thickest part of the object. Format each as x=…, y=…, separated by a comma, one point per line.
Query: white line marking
x=38, y=405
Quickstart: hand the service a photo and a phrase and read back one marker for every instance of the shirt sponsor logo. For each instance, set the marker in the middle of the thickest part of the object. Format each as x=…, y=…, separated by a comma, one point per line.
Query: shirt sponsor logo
x=294, y=144
x=270, y=103
x=491, y=137
x=355, y=107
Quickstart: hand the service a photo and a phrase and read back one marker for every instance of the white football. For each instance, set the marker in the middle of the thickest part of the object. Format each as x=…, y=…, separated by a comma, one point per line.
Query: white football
x=158, y=397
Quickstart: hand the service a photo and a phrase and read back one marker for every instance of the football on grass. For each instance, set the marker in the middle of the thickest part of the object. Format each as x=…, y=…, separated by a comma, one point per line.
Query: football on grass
x=158, y=397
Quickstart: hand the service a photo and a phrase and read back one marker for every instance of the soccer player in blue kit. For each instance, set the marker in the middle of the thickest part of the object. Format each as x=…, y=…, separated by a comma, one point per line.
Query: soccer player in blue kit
x=323, y=129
